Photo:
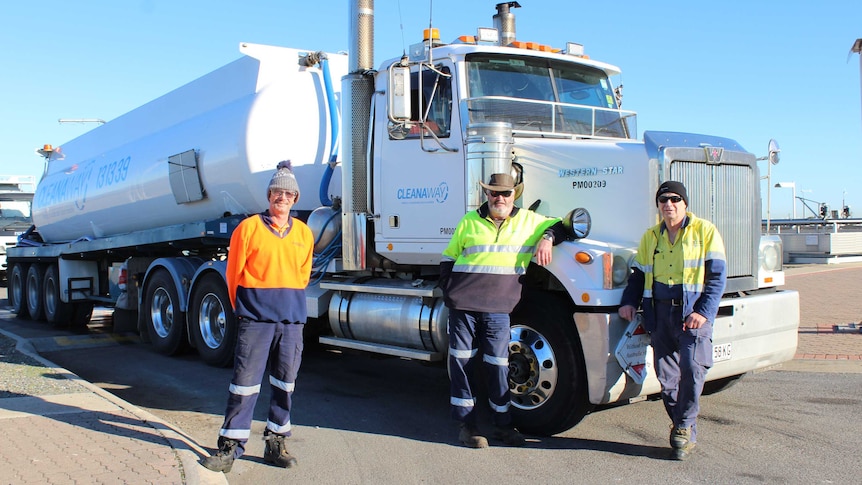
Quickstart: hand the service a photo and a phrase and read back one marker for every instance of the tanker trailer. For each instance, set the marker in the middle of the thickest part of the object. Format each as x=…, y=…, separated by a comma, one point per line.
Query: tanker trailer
x=161, y=188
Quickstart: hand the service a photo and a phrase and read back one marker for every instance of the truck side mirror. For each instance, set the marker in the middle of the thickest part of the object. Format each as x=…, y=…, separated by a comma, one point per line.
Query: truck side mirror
x=399, y=90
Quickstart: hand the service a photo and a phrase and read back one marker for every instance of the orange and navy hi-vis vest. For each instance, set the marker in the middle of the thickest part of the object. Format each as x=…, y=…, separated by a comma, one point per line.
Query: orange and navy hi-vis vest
x=268, y=270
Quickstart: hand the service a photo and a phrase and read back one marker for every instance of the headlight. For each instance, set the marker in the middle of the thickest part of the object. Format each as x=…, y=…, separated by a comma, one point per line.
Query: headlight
x=770, y=255
x=621, y=270
x=577, y=223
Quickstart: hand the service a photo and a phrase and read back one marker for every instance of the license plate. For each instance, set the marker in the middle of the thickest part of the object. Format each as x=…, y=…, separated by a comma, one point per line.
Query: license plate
x=721, y=352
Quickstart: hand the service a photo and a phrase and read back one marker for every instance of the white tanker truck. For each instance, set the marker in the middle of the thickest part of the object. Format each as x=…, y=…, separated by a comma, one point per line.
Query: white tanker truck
x=158, y=191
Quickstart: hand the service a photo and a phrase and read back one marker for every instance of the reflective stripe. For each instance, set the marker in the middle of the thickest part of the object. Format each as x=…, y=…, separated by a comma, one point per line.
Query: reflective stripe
x=276, y=428
x=462, y=354
x=645, y=268
x=464, y=403
x=244, y=390
x=505, y=270
x=235, y=434
x=647, y=293
x=499, y=409
x=284, y=386
x=487, y=248
x=501, y=361
x=697, y=288
x=447, y=258
x=714, y=255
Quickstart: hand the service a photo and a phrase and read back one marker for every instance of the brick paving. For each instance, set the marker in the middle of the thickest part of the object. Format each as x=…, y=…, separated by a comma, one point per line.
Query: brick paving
x=829, y=300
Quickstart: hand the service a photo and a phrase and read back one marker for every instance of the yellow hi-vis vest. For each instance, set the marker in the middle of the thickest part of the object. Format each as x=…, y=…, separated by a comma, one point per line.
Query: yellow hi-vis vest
x=488, y=262
x=704, y=268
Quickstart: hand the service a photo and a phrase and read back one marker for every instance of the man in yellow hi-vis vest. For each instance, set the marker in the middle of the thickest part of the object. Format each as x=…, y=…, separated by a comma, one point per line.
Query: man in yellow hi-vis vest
x=678, y=279
x=481, y=273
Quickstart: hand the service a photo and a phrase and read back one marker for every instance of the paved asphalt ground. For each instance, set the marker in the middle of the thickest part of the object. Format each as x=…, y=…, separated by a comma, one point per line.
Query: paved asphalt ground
x=60, y=429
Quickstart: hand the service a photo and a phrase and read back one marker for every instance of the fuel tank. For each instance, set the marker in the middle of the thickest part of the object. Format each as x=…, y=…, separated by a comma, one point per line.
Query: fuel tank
x=197, y=153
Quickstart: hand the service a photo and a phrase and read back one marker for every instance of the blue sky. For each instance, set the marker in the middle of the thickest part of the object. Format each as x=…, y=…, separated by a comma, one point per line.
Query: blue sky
x=747, y=70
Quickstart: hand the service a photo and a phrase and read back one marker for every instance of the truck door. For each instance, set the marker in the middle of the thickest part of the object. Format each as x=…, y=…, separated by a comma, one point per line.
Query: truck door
x=419, y=175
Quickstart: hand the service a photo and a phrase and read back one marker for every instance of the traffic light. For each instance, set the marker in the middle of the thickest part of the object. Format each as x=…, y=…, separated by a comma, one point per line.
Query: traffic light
x=824, y=210
x=845, y=213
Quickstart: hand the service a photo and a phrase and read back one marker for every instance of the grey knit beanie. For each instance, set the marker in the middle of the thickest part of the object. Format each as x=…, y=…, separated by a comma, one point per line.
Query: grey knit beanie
x=284, y=179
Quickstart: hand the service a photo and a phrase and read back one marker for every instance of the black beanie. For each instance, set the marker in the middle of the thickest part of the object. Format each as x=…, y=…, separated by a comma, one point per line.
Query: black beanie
x=673, y=187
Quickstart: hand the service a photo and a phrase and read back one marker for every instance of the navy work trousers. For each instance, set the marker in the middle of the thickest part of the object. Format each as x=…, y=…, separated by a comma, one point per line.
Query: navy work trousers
x=471, y=334
x=257, y=343
x=681, y=358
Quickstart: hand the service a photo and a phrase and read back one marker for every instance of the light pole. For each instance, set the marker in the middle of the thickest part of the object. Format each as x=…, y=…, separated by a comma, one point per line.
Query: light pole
x=773, y=158
x=791, y=185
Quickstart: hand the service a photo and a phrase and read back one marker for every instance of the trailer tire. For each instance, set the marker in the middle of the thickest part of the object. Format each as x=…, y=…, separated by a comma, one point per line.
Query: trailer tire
x=162, y=316
x=17, y=290
x=211, y=321
x=547, y=375
x=57, y=311
x=35, y=295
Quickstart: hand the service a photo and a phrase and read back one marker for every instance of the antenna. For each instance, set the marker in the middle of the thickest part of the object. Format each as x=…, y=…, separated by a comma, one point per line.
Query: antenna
x=401, y=24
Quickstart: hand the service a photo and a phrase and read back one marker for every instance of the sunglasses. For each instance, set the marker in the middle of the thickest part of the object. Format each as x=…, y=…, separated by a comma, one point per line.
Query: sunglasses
x=282, y=193
x=673, y=198
x=494, y=193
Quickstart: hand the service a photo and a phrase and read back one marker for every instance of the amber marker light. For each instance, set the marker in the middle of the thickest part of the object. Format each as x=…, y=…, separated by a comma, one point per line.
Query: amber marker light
x=583, y=257
x=585, y=297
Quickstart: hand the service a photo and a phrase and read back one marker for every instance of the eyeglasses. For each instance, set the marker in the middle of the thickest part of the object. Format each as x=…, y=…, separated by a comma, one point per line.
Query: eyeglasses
x=495, y=193
x=673, y=198
x=282, y=193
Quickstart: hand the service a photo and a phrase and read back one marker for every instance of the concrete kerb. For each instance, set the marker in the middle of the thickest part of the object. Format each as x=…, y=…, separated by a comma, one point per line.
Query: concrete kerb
x=188, y=452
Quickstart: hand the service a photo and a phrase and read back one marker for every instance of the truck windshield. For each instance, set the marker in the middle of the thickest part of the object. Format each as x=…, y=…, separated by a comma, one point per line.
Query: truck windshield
x=545, y=95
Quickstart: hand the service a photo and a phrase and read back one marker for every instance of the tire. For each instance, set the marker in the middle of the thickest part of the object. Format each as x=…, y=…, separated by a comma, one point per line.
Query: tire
x=547, y=375
x=17, y=290
x=162, y=315
x=722, y=384
x=212, y=323
x=35, y=296
x=56, y=311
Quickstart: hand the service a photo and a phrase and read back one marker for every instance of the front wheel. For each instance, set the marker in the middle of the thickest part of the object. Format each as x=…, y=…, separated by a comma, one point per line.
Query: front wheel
x=162, y=314
x=212, y=322
x=547, y=377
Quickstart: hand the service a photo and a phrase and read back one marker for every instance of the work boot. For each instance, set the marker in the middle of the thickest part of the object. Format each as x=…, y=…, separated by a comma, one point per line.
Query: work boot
x=470, y=436
x=679, y=437
x=683, y=452
x=275, y=451
x=508, y=435
x=222, y=460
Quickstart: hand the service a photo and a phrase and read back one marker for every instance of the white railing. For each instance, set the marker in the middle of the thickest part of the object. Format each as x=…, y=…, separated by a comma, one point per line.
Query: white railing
x=532, y=117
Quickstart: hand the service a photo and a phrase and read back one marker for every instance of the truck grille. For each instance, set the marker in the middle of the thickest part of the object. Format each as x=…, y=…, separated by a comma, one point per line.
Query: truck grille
x=728, y=196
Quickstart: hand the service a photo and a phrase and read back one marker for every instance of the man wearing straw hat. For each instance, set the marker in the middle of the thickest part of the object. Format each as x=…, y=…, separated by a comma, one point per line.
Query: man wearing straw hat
x=481, y=273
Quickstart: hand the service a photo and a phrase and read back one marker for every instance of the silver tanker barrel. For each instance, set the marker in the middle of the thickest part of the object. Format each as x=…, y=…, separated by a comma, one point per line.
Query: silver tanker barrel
x=197, y=153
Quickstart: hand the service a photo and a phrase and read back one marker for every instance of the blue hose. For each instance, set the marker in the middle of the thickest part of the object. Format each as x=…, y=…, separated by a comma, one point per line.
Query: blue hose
x=333, y=119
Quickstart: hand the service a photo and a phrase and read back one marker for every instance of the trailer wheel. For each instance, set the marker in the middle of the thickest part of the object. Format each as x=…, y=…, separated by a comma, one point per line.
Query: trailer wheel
x=17, y=290
x=162, y=314
x=35, y=295
x=57, y=311
x=212, y=322
x=547, y=377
